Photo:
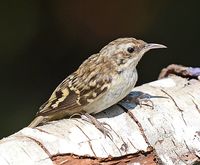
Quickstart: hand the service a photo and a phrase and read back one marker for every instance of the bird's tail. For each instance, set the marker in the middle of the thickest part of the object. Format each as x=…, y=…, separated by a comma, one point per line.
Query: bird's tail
x=36, y=121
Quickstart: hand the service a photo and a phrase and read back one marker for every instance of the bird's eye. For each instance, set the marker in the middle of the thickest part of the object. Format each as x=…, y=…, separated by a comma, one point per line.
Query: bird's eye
x=130, y=49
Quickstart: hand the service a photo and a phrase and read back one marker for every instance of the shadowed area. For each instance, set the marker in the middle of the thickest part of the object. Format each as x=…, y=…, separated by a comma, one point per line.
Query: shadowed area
x=44, y=41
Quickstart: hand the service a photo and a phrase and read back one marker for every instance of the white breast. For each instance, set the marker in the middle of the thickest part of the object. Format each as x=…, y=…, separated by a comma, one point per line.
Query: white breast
x=121, y=86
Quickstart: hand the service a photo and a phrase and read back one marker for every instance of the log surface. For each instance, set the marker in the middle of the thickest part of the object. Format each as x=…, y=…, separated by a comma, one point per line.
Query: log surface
x=168, y=133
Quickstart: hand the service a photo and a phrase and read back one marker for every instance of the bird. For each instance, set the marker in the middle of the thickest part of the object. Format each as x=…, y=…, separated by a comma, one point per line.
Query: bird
x=102, y=80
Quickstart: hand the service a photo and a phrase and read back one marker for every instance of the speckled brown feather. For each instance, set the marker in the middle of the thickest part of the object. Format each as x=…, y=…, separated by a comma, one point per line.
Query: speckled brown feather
x=100, y=82
x=85, y=85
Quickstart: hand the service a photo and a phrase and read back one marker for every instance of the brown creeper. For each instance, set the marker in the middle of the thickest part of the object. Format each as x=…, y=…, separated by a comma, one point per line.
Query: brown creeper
x=102, y=80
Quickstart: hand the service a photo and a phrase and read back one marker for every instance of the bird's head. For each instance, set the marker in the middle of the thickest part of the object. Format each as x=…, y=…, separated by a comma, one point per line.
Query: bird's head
x=130, y=50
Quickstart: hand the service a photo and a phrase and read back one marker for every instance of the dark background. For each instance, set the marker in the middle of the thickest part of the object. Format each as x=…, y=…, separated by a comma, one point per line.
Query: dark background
x=41, y=42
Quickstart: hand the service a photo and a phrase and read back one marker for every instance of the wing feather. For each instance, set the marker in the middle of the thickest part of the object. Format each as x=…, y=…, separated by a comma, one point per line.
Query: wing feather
x=78, y=90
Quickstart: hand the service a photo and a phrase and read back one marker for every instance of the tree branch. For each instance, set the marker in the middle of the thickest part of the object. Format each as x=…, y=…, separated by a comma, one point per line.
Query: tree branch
x=169, y=133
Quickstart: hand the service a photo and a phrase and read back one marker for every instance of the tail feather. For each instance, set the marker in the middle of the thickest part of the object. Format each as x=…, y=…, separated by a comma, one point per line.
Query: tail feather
x=36, y=121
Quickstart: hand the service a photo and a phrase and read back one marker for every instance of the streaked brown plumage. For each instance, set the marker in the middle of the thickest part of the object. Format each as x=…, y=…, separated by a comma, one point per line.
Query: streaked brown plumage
x=101, y=81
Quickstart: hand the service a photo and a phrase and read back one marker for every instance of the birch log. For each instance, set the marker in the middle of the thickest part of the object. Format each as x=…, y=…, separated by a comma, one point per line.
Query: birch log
x=168, y=133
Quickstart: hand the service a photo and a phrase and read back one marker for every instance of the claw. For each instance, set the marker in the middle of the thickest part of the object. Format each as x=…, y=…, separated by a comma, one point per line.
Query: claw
x=142, y=99
x=146, y=101
x=101, y=126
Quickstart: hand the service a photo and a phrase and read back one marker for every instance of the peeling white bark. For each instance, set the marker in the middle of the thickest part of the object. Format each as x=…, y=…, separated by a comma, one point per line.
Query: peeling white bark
x=172, y=128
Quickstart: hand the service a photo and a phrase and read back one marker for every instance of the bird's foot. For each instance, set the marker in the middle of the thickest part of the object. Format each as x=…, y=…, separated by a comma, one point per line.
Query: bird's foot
x=101, y=126
x=142, y=100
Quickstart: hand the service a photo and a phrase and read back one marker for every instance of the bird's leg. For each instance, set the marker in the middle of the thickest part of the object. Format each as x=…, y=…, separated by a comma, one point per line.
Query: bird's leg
x=141, y=99
x=76, y=114
x=101, y=126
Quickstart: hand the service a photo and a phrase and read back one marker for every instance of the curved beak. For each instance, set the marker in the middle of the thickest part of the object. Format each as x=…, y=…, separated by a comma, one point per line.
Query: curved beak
x=149, y=46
